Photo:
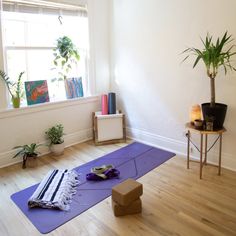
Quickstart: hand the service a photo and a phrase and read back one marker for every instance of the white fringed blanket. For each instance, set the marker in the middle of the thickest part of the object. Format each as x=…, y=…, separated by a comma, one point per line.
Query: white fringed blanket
x=55, y=190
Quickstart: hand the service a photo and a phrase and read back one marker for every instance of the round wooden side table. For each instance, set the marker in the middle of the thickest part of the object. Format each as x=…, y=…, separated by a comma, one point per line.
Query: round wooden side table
x=204, y=133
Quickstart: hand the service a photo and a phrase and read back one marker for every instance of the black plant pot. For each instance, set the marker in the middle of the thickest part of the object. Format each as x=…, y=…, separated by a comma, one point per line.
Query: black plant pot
x=216, y=113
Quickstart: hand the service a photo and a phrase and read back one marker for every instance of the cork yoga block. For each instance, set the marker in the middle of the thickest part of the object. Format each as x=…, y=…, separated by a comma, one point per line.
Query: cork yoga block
x=134, y=208
x=126, y=192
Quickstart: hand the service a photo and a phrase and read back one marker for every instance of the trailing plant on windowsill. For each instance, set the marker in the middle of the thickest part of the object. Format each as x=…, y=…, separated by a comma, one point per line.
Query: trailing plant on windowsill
x=66, y=54
x=14, y=88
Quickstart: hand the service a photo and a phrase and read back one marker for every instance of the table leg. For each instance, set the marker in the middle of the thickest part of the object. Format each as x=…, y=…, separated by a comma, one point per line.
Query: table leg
x=220, y=149
x=201, y=143
x=205, y=160
x=188, y=149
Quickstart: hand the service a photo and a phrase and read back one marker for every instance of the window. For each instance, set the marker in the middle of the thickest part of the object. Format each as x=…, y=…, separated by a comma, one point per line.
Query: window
x=30, y=34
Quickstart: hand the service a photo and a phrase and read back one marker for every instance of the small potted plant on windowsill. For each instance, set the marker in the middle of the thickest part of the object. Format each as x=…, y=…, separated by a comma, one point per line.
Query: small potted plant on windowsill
x=15, y=89
x=55, y=135
x=214, y=56
x=28, y=152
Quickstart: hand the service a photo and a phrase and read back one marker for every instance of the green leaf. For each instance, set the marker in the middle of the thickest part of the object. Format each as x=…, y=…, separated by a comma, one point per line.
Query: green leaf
x=185, y=59
x=55, y=134
x=63, y=63
x=213, y=54
x=197, y=60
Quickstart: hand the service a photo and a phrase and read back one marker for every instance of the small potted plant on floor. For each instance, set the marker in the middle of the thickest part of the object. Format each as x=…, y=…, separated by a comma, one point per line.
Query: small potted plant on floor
x=55, y=135
x=214, y=55
x=15, y=89
x=28, y=152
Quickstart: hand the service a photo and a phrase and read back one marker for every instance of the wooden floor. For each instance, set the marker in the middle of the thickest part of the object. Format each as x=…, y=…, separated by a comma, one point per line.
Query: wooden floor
x=175, y=201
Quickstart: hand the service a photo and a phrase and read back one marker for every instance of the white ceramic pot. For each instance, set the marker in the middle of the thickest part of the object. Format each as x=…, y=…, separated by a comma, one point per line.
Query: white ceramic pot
x=57, y=149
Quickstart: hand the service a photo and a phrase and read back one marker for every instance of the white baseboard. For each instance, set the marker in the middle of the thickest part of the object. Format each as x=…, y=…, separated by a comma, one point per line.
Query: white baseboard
x=179, y=147
x=70, y=139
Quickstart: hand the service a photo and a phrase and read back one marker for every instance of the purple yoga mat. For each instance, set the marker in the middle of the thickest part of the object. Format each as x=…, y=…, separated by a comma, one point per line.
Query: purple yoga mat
x=133, y=161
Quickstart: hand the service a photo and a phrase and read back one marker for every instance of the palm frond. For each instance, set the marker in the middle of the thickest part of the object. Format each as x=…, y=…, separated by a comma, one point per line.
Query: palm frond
x=213, y=54
x=197, y=60
x=21, y=152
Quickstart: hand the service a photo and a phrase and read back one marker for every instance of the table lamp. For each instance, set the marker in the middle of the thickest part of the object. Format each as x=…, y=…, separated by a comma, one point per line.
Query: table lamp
x=195, y=113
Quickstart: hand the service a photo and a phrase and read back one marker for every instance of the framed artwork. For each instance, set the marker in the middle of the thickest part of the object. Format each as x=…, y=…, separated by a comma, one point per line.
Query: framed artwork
x=36, y=92
x=74, y=87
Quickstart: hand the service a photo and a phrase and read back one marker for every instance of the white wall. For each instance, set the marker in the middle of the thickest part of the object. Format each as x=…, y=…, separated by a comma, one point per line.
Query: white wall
x=28, y=125
x=154, y=90
x=100, y=48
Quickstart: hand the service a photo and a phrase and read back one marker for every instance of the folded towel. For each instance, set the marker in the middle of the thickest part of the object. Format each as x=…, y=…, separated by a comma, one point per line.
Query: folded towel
x=100, y=169
x=107, y=174
x=55, y=190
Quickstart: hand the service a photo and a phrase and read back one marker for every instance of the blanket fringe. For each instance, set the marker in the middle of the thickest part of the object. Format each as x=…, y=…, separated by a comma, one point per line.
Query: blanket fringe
x=68, y=189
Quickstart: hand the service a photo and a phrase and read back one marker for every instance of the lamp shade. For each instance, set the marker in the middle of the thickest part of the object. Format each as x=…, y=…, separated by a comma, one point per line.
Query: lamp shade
x=195, y=113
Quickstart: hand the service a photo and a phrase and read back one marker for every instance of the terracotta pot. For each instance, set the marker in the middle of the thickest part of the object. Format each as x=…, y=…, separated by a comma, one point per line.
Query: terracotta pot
x=32, y=162
x=29, y=161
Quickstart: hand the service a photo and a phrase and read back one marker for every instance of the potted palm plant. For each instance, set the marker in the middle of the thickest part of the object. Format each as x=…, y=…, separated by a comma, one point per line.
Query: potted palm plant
x=55, y=135
x=27, y=151
x=15, y=89
x=214, y=55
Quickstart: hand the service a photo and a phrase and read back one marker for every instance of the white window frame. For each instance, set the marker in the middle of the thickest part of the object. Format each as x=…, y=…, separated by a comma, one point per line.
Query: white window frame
x=91, y=86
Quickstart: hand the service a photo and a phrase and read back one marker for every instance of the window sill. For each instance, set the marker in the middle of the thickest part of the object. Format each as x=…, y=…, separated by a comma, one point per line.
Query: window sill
x=11, y=112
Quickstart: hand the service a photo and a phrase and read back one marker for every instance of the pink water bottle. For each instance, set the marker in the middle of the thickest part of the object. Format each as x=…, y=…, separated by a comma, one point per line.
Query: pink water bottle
x=104, y=105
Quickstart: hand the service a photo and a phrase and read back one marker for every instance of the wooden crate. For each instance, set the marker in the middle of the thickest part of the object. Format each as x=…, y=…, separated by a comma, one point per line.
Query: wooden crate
x=108, y=129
